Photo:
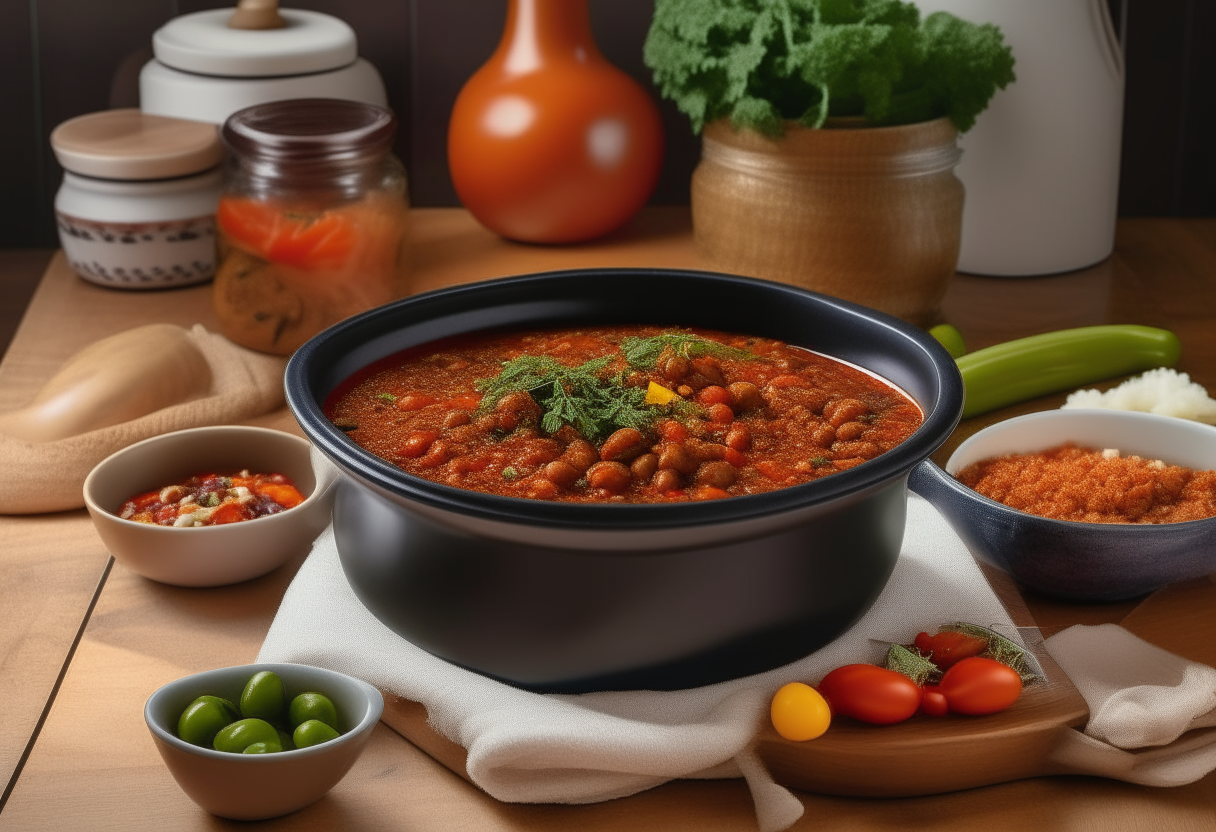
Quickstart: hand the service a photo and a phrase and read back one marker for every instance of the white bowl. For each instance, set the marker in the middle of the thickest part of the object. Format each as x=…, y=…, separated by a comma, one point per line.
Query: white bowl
x=259, y=786
x=207, y=555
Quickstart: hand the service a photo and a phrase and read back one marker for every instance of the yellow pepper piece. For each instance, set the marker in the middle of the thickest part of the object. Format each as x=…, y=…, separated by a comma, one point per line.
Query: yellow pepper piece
x=658, y=394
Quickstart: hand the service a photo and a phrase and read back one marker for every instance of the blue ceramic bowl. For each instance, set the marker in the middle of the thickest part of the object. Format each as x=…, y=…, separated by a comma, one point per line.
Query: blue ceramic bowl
x=1079, y=561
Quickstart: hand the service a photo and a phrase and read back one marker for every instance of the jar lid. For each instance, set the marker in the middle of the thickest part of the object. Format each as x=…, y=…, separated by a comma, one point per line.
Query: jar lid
x=311, y=131
x=203, y=42
x=130, y=144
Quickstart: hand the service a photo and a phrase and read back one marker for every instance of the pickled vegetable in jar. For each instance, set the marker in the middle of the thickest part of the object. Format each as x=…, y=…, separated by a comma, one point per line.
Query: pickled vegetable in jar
x=313, y=226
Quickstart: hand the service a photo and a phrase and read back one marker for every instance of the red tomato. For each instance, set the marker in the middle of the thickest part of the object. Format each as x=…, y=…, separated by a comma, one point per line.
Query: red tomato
x=280, y=236
x=548, y=142
x=934, y=702
x=947, y=647
x=978, y=686
x=870, y=693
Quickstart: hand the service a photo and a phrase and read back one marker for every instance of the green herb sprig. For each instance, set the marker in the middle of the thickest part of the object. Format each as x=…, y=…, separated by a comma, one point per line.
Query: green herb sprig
x=762, y=62
x=643, y=353
x=587, y=397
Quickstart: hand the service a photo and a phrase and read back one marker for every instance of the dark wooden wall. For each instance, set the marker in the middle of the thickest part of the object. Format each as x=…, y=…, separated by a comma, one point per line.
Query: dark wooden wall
x=61, y=58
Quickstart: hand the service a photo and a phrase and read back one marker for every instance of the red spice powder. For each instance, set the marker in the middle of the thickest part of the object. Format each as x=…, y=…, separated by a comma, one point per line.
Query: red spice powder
x=1092, y=486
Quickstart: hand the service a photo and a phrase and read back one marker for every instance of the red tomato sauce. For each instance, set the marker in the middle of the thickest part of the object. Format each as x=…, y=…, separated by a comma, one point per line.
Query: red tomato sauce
x=663, y=415
x=1086, y=485
x=213, y=499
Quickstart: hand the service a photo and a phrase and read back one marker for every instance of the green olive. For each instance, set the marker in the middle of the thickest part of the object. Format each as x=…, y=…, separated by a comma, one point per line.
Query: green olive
x=263, y=748
x=240, y=735
x=313, y=732
x=311, y=705
x=203, y=718
x=285, y=740
x=264, y=698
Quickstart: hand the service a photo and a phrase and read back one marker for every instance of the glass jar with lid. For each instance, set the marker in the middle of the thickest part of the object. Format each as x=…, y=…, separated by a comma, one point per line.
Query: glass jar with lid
x=313, y=222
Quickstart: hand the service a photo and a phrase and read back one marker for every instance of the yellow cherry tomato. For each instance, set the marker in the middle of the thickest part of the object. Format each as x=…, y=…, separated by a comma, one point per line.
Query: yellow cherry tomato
x=799, y=712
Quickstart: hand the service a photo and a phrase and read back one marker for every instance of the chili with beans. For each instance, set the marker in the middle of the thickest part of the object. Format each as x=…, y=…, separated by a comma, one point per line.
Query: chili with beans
x=630, y=414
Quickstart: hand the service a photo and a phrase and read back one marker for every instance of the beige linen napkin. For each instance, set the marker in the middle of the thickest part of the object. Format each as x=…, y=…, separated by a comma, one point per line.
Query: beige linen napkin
x=528, y=747
x=48, y=476
x=1139, y=697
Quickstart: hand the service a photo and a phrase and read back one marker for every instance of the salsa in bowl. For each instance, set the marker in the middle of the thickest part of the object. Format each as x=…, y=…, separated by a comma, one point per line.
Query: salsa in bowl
x=604, y=593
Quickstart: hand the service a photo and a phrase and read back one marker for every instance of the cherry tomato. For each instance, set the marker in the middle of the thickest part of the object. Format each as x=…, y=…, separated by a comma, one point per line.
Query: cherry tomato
x=281, y=236
x=870, y=693
x=934, y=702
x=548, y=142
x=799, y=713
x=947, y=647
x=978, y=686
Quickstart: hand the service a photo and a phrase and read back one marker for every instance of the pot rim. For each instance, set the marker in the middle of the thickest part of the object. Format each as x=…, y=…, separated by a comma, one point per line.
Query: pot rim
x=359, y=341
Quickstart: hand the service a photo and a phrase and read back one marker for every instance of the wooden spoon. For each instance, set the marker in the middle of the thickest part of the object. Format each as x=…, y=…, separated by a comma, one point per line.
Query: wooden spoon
x=117, y=379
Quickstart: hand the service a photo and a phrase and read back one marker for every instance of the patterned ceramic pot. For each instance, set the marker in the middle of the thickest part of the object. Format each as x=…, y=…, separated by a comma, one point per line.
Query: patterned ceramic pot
x=136, y=209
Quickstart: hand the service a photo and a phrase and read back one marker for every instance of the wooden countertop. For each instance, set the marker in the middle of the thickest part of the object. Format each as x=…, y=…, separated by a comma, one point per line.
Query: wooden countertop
x=84, y=641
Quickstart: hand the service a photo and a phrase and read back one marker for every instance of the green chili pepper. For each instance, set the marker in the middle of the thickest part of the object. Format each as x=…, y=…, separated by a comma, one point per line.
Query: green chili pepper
x=951, y=339
x=1027, y=368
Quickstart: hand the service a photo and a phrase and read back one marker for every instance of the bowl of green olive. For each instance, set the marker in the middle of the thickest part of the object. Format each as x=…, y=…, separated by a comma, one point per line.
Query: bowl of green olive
x=263, y=740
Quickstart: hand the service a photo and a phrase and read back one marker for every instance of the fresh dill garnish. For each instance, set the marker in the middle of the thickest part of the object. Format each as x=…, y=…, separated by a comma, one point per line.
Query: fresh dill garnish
x=644, y=352
x=388, y=398
x=588, y=397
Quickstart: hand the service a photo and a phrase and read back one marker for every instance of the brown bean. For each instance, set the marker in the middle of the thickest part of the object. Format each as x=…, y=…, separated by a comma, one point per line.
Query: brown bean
x=717, y=474
x=703, y=451
x=623, y=445
x=417, y=444
x=823, y=435
x=643, y=467
x=840, y=411
x=538, y=452
x=456, y=418
x=674, y=367
x=667, y=479
x=436, y=455
x=561, y=473
x=541, y=489
x=610, y=476
x=677, y=458
x=747, y=396
x=709, y=367
x=515, y=409
x=581, y=454
x=860, y=448
x=739, y=437
x=850, y=431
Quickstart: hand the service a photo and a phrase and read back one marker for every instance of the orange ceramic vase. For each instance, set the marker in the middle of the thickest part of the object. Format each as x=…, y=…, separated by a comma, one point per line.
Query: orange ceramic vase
x=548, y=142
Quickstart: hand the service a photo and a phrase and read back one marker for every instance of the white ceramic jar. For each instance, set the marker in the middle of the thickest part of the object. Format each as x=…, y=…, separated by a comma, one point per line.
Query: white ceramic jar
x=1041, y=165
x=136, y=209
x=205, y=69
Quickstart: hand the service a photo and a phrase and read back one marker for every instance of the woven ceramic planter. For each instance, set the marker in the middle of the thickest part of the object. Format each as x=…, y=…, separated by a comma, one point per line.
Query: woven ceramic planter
x=867, y=214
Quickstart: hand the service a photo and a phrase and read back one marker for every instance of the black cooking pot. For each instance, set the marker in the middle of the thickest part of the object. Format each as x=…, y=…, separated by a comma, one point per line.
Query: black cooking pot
x=575, y=597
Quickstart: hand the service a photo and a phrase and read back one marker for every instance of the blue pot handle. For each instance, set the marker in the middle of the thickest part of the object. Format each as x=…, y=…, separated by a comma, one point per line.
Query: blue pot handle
x=930, y=482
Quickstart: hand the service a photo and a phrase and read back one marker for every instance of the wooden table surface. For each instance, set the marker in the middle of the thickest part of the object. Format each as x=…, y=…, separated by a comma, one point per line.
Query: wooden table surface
x=83, y=641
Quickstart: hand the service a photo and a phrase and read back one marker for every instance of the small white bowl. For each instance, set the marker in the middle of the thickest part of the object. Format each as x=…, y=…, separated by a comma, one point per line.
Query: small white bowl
x=207, y=555
x=259, y=786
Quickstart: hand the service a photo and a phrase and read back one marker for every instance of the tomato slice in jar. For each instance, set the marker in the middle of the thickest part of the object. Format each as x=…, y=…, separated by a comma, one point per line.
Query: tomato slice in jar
x=306, y=240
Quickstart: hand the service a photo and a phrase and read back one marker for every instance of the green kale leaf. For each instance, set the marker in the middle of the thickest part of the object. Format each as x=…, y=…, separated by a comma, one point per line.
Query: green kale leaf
x=761, y=63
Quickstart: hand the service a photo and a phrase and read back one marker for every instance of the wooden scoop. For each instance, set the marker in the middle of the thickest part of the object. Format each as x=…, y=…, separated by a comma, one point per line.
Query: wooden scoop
x=257, y=14
x=114, y=380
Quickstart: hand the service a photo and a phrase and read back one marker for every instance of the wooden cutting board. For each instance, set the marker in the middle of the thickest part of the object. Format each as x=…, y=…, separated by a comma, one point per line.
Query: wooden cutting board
x=933, y=755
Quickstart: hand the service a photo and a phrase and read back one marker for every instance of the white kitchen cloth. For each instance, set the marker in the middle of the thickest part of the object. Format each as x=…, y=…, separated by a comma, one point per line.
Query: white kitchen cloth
x=1139, y=697
x=548, y=748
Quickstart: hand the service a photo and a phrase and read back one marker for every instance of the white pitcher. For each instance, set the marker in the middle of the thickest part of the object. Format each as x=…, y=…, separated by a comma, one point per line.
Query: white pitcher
x=1041, y=165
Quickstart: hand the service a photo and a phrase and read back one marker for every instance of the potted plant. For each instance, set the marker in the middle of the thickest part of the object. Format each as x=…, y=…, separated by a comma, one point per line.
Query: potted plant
x=829, y=138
